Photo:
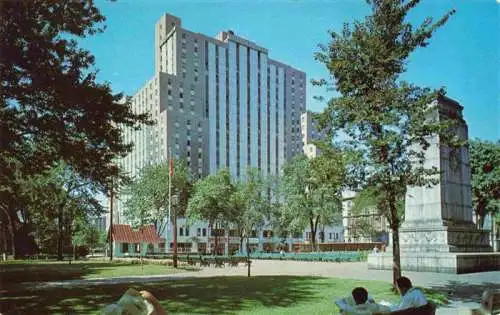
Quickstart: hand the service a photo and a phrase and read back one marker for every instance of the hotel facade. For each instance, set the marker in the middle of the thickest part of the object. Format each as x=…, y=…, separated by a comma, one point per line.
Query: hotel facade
x=219, y=103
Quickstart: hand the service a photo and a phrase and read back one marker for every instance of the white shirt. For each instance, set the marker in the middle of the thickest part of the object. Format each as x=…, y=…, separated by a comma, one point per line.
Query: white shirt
x=349, y=307
x=413, y=298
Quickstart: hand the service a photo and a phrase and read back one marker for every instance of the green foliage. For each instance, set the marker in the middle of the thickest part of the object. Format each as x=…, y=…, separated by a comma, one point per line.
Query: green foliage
x=51, y=106
x=365, y=208
x=212, y=199
x=311, y=191
x=315, y=256
x=387, y=120
x=58, y=203
x=90, y=236
x=485, y=168
x=250, y=203
x=148, y=196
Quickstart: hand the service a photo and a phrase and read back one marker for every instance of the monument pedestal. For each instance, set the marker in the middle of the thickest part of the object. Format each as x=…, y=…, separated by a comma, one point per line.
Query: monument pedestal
x=443, y=239
x=438, y=234
x=456, y=263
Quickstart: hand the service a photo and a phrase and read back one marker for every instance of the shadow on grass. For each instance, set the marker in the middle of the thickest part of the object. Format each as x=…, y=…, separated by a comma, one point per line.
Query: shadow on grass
x=463, y=292
x=220, y=295
x=15, y=273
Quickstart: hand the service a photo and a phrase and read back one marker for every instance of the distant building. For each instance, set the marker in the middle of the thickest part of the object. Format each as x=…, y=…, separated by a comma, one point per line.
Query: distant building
x=363, y=227
x=219, y=103
x=310, y=133
x=128, y=242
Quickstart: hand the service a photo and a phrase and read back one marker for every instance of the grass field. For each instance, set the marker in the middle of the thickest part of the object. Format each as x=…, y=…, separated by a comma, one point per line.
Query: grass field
x=217, y=295
x=37, y=271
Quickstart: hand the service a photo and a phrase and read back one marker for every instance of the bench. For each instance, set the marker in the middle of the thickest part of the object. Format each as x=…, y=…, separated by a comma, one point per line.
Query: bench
x=204, y=263
x=192, y=261
x=219, y=263
x=234, y=263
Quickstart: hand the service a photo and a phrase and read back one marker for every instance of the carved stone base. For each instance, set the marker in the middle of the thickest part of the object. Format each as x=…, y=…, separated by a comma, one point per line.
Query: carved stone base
x=456, y=263
x=442, y=239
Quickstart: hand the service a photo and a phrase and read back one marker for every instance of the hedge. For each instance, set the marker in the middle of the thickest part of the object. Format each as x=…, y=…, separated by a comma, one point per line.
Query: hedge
x=314, y=256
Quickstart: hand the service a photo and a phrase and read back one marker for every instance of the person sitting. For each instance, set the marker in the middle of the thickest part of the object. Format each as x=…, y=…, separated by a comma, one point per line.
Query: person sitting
x=134, y=302
x=361, y=304
x=410, y=296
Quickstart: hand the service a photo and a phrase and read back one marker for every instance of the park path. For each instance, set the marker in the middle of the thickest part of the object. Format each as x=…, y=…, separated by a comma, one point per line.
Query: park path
x=464, y=290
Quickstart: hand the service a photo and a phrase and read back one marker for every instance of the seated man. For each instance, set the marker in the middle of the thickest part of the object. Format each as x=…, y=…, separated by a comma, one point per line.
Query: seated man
x=135, y=303
x=410, y=296
x=360, y=304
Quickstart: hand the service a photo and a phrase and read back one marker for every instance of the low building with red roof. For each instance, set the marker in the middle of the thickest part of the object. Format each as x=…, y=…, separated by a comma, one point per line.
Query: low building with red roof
x=130, y=242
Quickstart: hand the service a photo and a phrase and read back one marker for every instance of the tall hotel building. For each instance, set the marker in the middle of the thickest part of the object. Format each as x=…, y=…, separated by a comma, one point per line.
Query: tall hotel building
x=219, y=103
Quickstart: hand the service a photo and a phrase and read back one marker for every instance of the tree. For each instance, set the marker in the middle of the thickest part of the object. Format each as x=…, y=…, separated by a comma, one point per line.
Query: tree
x=365, y=207
x=311, y=191
x=387, y=120
x=51, y=107
x=90, y=236
x=211, y=200
x=62, y=197
x=484, y=162
x=251, y=205
x=148, y=196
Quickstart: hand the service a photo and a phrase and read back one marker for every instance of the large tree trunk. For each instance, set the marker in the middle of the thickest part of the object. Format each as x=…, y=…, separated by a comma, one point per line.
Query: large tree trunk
x=494, y=233
x=60, y=236
x=313, y=234
x=10, y=228
x=316, y=247
x=216, y=240
x=248, y=258
x=480, y=221
x=241, y=242
x=396, y=258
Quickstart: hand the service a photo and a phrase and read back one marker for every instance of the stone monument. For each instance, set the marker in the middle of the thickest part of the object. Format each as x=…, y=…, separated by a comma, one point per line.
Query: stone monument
x=438, y=233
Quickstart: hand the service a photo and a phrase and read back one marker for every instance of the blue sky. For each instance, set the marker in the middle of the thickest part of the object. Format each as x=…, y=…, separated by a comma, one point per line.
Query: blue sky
x=464, y=55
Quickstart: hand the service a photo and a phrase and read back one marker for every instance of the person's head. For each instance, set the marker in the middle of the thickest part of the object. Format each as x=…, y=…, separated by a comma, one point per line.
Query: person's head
x=403, y=285
x=360, y=295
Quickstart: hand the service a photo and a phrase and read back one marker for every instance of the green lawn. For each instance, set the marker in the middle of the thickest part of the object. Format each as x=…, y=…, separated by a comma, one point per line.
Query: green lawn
x=28, y=271
x=221, y=295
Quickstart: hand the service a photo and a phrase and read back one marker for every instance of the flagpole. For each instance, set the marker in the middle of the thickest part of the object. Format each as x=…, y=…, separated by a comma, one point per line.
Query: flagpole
x=169, y=185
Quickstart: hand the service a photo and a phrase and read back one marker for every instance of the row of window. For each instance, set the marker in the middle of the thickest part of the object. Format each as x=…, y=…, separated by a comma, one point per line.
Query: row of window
x=321, y=235
x=136, y=247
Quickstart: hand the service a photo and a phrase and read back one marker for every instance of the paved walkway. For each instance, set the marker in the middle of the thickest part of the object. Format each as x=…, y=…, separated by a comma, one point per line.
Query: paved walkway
x=464, y=290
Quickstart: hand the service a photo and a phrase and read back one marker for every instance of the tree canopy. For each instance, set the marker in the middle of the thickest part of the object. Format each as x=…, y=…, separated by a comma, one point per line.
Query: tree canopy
x=311, y=191
x=211, y=198
x=485, y=168
x=385, y=119
x=148, y=196
x=51, y=106
x=250, y=204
